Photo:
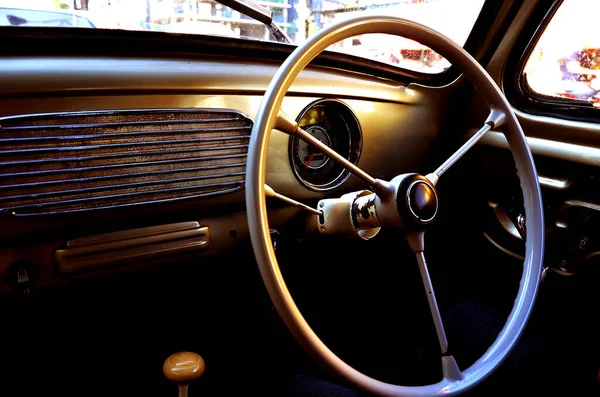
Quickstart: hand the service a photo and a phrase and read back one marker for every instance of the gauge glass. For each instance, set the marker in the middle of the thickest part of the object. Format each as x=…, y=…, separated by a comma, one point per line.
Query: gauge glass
x=309, y=155
x=333, y=123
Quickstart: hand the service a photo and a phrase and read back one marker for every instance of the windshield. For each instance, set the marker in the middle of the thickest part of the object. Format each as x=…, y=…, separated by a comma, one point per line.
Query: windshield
x=299, y=19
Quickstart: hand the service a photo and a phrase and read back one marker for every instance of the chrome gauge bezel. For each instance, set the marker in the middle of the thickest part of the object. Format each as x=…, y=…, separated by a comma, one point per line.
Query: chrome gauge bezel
x=352, y=132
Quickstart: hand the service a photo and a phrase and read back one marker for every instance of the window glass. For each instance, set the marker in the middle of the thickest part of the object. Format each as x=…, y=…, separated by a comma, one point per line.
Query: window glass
x=299, y=19
x=565, y=62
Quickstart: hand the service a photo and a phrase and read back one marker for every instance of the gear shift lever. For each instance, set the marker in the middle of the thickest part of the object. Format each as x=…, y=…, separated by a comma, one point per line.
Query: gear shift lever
x=183, y=368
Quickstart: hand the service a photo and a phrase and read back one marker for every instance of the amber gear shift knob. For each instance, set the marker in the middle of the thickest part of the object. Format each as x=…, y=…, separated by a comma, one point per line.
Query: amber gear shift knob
x=183, y=368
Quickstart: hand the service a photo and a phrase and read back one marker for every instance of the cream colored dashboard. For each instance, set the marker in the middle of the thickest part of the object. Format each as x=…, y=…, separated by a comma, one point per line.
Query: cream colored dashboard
x=399, y=124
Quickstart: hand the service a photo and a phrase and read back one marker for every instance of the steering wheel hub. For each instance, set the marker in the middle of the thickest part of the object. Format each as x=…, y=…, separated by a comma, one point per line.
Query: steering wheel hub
x=417, y=200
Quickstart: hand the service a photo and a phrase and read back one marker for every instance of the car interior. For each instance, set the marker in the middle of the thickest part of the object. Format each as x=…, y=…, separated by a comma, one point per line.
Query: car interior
x=218, y=215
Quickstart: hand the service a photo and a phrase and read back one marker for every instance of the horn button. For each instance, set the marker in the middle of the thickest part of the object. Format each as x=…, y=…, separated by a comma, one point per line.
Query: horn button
x=417, y=199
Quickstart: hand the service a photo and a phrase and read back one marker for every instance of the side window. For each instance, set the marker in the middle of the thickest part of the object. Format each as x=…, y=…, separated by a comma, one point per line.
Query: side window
x=565, y=63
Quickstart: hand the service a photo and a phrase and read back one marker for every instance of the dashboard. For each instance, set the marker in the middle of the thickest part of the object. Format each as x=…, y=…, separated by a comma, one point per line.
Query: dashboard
x=126, y=162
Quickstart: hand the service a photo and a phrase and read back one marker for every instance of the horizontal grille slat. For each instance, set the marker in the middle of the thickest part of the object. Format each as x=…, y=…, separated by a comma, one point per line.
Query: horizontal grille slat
x=75, y=194
x=124, y=200
x=121, y=158
x=73, y=162
x=85, y=184
x=54, y=139
x=105, y=125
x=225, y=159
x=124, y=117
x=119, y=146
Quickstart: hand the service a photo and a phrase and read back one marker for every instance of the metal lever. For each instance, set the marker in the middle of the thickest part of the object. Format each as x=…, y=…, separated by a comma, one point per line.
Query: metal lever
x=269, y=192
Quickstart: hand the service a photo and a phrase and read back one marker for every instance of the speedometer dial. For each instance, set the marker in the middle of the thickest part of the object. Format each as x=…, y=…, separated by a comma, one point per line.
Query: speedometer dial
x=309, y=156
x=334, y=124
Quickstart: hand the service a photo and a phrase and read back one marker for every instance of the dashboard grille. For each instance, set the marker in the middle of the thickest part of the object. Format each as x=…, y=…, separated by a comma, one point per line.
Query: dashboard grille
x=69, y=162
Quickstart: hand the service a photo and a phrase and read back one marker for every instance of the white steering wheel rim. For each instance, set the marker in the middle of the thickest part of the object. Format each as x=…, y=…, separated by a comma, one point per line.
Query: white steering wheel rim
x=259, y=228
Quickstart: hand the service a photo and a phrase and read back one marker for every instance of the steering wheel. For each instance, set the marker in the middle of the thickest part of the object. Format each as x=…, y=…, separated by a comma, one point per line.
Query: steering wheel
x=408, y=202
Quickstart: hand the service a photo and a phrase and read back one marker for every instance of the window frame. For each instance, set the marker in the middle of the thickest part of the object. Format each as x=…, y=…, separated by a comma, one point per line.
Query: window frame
x=518, y=91
x=32, y=41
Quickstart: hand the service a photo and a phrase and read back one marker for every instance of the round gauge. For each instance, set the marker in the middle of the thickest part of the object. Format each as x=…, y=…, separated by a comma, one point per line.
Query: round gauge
x=310, y=156
x=333, y=123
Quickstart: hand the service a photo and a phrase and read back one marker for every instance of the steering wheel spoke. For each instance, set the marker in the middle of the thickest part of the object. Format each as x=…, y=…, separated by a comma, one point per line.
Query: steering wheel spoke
x=494, y=120
x=432, y=301
x=450, y=369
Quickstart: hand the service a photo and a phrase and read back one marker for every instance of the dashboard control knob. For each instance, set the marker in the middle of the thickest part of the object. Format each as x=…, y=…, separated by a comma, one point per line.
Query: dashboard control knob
x=22, y=276
x=583, y=243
